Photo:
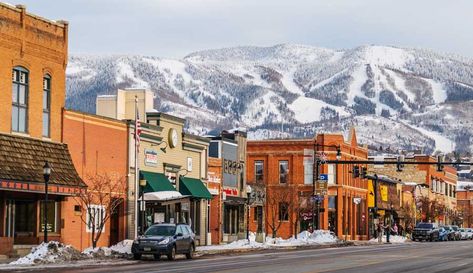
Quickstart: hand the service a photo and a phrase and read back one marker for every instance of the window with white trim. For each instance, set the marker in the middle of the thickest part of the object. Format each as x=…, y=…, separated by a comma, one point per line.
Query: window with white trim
x=308, y=166
x=95, y=217
x=19, y=118
x=331, y=174
x=46, y=105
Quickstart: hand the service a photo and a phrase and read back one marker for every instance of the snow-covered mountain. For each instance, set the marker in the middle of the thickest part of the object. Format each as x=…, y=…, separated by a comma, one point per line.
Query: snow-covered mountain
x=396, y=97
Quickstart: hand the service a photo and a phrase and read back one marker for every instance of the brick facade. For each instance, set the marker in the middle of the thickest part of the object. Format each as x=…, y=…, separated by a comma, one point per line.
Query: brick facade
x=434, y=184
x=39, y=46
x=346, y=218
x=98, y=145
x=214, y=183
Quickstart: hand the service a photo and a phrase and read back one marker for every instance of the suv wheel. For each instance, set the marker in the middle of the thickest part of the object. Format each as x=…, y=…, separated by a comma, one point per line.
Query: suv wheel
x=172, y=254
x=137, y=256
x=190, y=254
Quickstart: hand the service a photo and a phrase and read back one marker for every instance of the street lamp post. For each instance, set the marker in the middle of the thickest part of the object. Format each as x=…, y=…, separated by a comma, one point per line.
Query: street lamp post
x=248, y=193
x=317, y=163
x=46, y=175
x=143, y=205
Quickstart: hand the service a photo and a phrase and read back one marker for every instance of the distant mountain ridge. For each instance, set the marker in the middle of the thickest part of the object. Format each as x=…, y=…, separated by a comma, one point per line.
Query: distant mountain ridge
x=397, y=98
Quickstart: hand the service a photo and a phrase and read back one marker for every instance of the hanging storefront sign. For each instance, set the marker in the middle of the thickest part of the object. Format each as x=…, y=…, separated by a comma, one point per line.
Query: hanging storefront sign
x=151, y=157
x=230, y=192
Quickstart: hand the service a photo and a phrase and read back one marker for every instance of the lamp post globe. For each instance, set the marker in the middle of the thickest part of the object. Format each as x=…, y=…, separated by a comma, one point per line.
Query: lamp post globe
x=46, y=175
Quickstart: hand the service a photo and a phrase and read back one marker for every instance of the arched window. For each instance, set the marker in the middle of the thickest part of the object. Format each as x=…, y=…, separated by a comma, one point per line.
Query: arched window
x=20, y=100
x=46, y=105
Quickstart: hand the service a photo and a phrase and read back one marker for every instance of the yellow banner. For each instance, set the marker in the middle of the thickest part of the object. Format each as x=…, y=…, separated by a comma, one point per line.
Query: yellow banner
x=384, y=193
x=370, y=194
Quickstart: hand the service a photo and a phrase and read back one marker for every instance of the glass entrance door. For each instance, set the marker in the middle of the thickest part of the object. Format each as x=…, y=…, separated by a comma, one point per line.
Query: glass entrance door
x=25, y=218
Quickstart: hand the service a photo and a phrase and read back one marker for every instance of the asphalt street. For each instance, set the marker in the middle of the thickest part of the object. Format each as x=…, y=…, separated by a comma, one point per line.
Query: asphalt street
x=410, y=257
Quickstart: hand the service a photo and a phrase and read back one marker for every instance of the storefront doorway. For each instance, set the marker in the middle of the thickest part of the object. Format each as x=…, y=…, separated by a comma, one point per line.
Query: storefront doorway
x=21, y=220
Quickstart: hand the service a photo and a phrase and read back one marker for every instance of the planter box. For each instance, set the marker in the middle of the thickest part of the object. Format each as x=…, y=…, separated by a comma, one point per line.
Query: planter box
x=6, y=245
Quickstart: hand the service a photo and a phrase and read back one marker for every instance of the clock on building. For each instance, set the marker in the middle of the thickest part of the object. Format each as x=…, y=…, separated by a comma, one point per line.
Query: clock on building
x=173, y=138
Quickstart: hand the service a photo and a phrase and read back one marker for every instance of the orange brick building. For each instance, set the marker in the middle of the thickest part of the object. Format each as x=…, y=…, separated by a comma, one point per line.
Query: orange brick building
x=98, y=145
x=288, y=178
x=465, y=202
x=33, y=51
x=214, y=184
x=33, y=59
x=442, y=187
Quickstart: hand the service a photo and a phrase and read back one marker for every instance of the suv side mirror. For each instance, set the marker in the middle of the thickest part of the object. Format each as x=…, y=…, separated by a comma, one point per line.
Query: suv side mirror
x=179, y=234
x=140, y=233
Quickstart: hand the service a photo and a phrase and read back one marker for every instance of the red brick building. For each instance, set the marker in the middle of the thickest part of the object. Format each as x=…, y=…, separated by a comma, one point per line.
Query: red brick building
x=285, y=167
x=98, y=145
x=33, y=60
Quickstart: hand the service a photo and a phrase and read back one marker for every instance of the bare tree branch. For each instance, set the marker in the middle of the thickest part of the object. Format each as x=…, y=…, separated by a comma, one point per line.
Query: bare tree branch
x=100, y=201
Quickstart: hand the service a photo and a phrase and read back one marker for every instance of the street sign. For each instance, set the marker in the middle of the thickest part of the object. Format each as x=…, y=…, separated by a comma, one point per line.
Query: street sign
x=318, y=198
x=323, y=177
x=321, y=185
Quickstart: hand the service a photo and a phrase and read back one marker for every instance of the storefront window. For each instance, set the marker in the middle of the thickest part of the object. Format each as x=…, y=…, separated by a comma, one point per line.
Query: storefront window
x=52, y=215
x=95, y=217
x=283, y=171
x=230, y=219
x=259, y=170
x=283, y=212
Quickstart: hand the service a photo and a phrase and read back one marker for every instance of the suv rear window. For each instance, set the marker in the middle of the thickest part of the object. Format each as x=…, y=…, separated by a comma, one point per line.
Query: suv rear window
x=425, y=225
x=161, y=231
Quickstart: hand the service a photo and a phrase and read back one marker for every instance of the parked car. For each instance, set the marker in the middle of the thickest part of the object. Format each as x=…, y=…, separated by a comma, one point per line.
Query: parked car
x=425, y=231
x=457, y=233
x=165, y=239
x=451, y=233
x=443, y=234
x=463, y=233
x=469, y=232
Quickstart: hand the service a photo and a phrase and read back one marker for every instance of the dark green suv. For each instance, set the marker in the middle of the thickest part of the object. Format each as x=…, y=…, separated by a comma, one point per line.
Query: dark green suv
x=165, y=239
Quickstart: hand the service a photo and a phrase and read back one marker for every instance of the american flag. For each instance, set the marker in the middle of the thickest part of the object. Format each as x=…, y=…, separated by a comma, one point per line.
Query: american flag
x=137, y=131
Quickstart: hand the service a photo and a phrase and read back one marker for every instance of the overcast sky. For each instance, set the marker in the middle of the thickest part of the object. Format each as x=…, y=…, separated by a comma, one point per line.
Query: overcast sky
x=174, y=28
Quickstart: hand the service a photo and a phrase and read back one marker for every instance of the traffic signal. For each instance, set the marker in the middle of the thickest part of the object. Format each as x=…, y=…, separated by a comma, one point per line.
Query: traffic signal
x=399, y=164
x=439, y=163
x=364, y=171
x=356, y=171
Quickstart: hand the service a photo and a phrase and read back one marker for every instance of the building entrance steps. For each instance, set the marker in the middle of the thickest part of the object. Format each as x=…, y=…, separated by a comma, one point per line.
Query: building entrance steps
x=22, y=250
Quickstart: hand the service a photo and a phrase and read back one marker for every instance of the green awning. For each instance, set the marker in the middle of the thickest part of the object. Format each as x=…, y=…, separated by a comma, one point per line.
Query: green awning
x=156, y=182
x=194, y=187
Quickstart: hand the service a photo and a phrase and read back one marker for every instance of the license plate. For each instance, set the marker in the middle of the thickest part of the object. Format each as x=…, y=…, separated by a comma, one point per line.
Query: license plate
x=147, y=249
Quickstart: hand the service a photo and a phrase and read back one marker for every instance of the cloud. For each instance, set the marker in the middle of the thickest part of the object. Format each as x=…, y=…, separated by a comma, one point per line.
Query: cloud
x=174, y=28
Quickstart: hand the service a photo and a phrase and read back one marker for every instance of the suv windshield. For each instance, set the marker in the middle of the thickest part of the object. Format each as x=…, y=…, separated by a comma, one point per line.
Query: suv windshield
x=425, y=225
x=161, y=231
x=462, y=230
x=455, y=228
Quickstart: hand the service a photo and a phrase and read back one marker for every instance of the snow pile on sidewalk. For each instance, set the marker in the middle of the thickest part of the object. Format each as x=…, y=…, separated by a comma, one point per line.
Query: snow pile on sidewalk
x=392, y=239
x=240, y=244
x=51, y=252
x=304, y=238
x=121, y=249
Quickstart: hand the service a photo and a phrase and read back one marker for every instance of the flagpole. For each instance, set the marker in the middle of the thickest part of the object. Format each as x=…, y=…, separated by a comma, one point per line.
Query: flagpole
x=137, y=169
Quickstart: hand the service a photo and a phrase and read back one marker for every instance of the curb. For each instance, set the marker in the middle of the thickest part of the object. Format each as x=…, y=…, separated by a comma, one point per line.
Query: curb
x=272, y=248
